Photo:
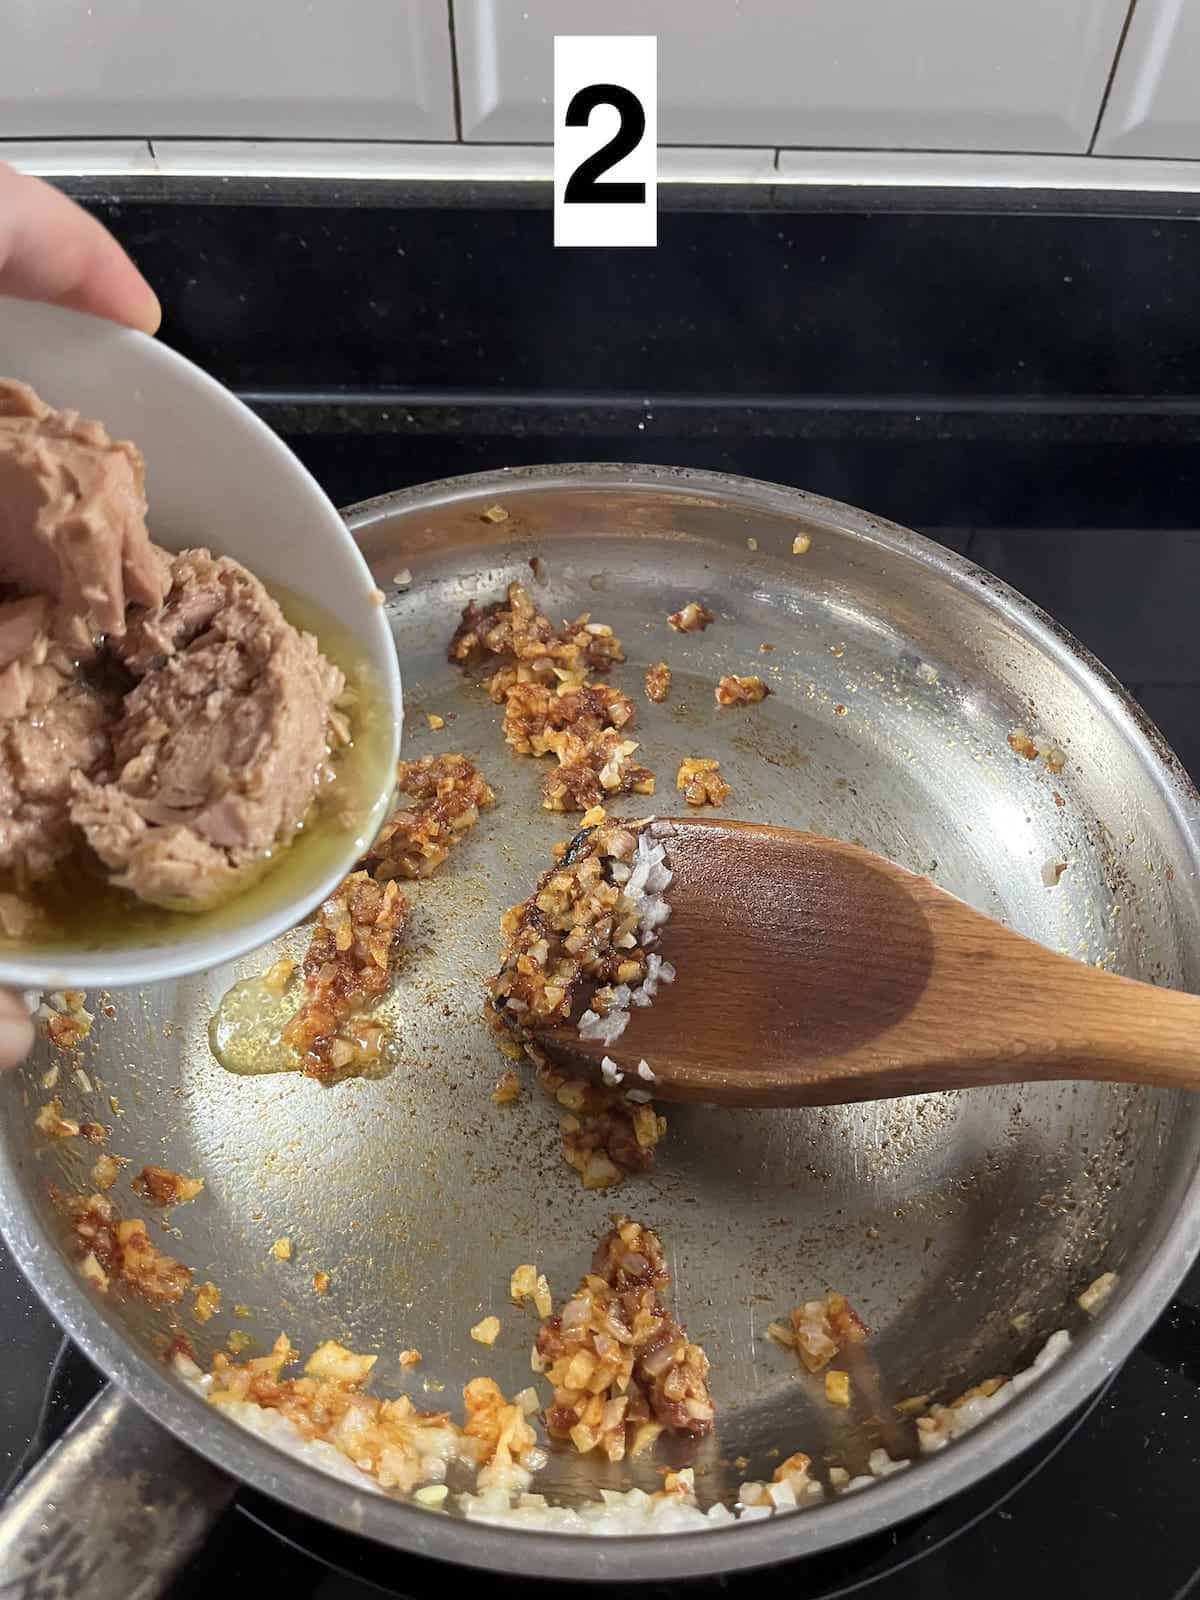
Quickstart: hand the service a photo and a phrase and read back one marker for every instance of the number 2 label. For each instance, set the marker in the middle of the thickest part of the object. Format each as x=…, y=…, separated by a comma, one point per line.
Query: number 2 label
x=605, y=140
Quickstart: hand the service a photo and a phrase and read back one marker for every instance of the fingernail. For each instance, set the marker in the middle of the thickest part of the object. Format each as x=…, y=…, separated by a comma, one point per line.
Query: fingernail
x=150, y=319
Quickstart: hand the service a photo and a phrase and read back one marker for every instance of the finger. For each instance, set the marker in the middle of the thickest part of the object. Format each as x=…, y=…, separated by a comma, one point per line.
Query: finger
x=52, y=250
x=16, y=1029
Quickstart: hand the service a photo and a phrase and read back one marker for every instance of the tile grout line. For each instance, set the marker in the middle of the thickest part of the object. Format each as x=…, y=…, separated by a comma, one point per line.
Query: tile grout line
x=1112, y=74
x=456, y=92
x=1115, y=407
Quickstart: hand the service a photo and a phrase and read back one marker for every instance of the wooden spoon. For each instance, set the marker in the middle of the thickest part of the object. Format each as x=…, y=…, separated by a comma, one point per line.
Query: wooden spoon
x=812, y=972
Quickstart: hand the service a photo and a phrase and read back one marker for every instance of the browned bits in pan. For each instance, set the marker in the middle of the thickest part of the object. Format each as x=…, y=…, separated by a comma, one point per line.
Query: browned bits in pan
x=414, y=841
x=347, y=966
x=837, y=1387
x=207, y=1303
x=734, y=691
x=162, y=1187
x=700, y=782
x=112, y=1249
x=592, y=770
x=582, y=727
x=105, y=1171
x=658, y=681
x=691, y=618
x=577, y=931
x=536, y=717
x=390, y=1439
x=64, y=1018
x=349, y=961
x=623, y=1369
x=1022, y=744
x=515, y=628
x=605, y=1135
x=508, y=1089
x=794, y=1473
x=50, y=1121
x=550, y=707
x=501, y=1432
x=819, y=1329
x=576, y=926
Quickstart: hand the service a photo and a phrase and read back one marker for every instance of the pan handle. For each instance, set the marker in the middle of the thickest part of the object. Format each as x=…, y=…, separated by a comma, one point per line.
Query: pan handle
x=111, y=1512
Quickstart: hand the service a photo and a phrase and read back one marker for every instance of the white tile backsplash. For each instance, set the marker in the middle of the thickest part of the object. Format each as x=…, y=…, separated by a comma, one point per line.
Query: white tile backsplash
x=713, y=164
x=923, y=169
x=900, y=74
x=79, y=158
x=294, y=69
x=352, y=159
x=1153, y=107
x=214, y=83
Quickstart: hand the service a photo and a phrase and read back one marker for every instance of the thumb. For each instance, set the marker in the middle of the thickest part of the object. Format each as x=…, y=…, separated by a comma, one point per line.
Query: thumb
x=52, y=250
x=16, y=1029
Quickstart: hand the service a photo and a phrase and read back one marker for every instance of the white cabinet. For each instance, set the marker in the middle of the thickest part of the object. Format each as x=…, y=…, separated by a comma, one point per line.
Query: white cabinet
x=901, y=74
x=292, y=69
x=1153, y=107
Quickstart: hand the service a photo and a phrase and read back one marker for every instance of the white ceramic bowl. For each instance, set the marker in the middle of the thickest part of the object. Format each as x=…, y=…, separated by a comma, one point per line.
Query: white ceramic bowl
x=216, y=476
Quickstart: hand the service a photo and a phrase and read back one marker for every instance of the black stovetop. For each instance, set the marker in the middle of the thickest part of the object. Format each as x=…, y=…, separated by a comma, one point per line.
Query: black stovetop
x=1024, y=387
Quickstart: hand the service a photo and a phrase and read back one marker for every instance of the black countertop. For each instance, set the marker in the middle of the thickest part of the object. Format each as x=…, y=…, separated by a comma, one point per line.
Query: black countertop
x=961, y=371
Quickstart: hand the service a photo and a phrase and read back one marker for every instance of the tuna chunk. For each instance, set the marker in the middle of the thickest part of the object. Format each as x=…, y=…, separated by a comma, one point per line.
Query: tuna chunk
x=39, y=752
x=32, y=666
x=184, y=785
x=73, y=518
x=221, y=746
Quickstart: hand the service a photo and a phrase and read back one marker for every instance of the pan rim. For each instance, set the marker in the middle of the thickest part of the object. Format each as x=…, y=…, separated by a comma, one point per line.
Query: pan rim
x=1092, y=1357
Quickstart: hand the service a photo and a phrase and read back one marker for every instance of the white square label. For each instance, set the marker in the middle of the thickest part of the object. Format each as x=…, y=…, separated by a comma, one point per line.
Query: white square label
x=605, y=140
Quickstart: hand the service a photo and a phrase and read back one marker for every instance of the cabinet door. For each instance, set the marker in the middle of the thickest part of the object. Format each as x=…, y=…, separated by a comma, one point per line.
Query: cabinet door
x=331, y=69
x=1153, y=107
x=899, y=74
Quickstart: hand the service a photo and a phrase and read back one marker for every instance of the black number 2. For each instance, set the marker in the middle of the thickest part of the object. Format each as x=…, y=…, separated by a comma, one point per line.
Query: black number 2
x=582, y=188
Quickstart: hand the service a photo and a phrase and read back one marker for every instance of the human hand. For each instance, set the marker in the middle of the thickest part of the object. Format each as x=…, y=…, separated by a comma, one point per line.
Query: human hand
x=52, y=250
x=16, y=1029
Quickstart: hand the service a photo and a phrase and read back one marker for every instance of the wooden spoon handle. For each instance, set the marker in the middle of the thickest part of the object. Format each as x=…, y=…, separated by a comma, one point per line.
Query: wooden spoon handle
x=978, y=1004
x=1038, y=1015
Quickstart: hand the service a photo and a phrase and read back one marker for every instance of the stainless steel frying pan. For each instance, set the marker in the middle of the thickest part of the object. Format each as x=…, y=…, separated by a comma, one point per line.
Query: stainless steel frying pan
x=962, y=1225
